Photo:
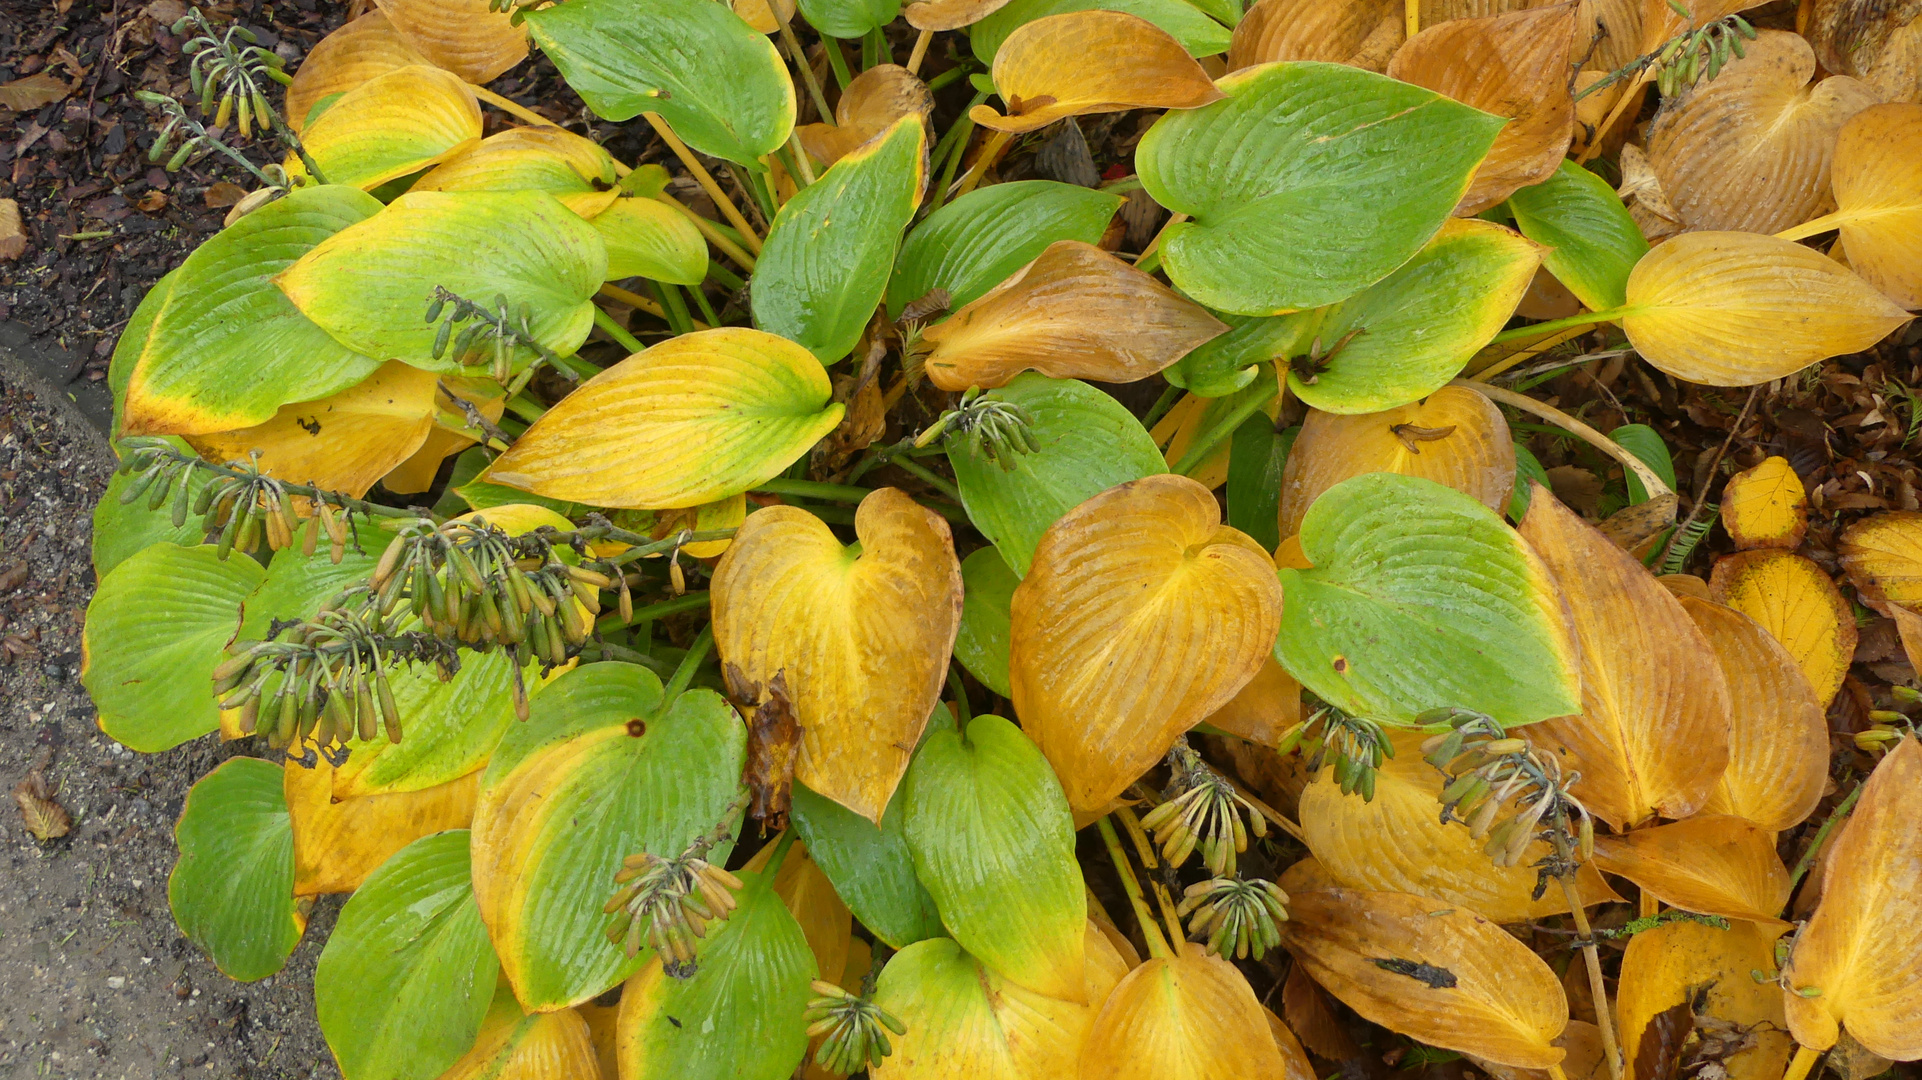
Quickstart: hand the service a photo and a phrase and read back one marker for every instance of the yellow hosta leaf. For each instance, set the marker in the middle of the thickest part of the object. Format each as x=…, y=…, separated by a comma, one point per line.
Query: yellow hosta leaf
x=863, y=639
x=1796, y=603
x=1332, y=31
x=1711, y=863
x=1676, y=962
x=1294, y=1061
x=1877, y=180
x=1075, y=312
x=344, y=442
x=1396, y=842
x=1512, y=65
x=337, y=844
x=949, y=14
x=1652, y=737
x=417, y=473
x=1883, y=557
x=1863, y=947
x=1585, y=1061
x=1264, y=709
x=761, y=15
x=1140, y=616
x=1186, y=1017
x=811, y=899
x=391, y=125
x=1446, y=977
x=467, y=37
x=1736, y=309
x=1766, y=506
x=548, y=159
x=1091, y=62
x=693, y=420
x=1457, y=437
x=1750, y=148
x=363, y=49
x=516, y=1046
x=869, y=106
x=1778, y=762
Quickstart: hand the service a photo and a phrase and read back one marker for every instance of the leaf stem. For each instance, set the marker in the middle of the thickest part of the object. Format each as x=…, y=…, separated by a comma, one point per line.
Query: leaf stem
x=512, y=107
x=1411, y=17
x=1150, y=931
x=800, y=56
x=874, y=49
x=962, y=713
x=713, y=234
x=616, y=331
x=1836, y=817
x=920, y=52
x=1162, y=404
x=1656, y=485
x=1592, y=957
x=1814, y=226
x=814, y=489
x=641, y=303
x=953, y=146
x=927, y=477
x=1803, y=1061
x=836, y=61
x=684, y=675
x=1586, y=318
x=1526, y=352
x=1146, y=851
x=706, y=180
x=693, y=601
x=989, y=154
x=1202, y=448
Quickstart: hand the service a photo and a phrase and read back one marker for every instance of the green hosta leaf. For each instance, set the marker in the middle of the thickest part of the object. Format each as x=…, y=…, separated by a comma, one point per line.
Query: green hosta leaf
x=1227, y=364
x=121, y=529
x=1307, y=183
x=849, y=18
x=973, y=243
x=648, y=238
x=1528, y=469
x=369, y=284
x=1256, y=457
x=830, y=248
x=964, y=1019
x=982, y=642
x=596, y=774
x=227, y=348
x=1645, y=443
x=451, y=727
x=407, y=974
x=869, y=866
x=1593, y=242
x=993, y=841
x=721, y=86
x=1089, y=443
x=1413, y=331
x=297, y=584
x=1185, y=22
x=133, y=338
x=232, y=892
x=155, y=629
x=1421, y=597
x=740, y=1016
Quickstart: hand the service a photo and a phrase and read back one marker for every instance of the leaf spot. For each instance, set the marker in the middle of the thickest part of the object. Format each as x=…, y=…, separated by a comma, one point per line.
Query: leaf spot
x=1436, y=978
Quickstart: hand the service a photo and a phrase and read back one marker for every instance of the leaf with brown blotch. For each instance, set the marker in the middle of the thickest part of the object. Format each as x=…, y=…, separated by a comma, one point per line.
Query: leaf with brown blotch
x=1263, y=710
x=1778, y=763
x=773, y=737
x=1714, y=864
x=1396, y=842
x=949, y=14
x=1652, y=737
x=1766, y=506
x=1362, y=34
x=470, y=38
x=1850, y=36
x=364, y=49
x=1186, y=1017
x=872, y=102
x=1512, y=65
x=1444, y=976
x=863, y=639
x=1311, y=1017
x=1456, y=437
x=338, y=842
x=1140, y=615
x=40, y=812
x=1863, y=947
x=1685, y=963
x=1796, y=603
x=1877, y=181
x=1750, y=149
x=1658, y=1050
x=1075, y=312
x=1092, y=61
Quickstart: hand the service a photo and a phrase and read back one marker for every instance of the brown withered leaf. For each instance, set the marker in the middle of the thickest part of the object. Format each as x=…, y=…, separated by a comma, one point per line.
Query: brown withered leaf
x=1632, y=527
x=949, y=14
x=773, y=745
x=32, y=92
x=1362, y=34
x=869, y=106
x=1659, y=1052
x=1849, y=36
x=44, y=817
x=1312, y=1018
x=1091, y=62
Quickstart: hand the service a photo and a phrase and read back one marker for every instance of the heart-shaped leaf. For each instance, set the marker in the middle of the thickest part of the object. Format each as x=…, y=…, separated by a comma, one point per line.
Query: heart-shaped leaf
x=993, y=840
x=338, y=844
x=977, y=241
x=832, y=246
x=389, y=126
x=1766, y=506
x=1874, y=178
x=548, y=159
x=1457, y=438
x=869, y=865
x=1140, y=616
x=1652, y=734
x=1591, y=241
x=232, y=892
x=1186, y=1017
x=597, y=773
x=849, y=18
x=407, y=974
x=515, y=1045
x=1198, y=34
x=982, y=642
x=1709, y=968
x=1360, y=34
x=1087, y=443
x=722, y=86
x=1711, y=863
x=1797, y=603
x=1074, y=312
x=227, y=347
x=693, y=420
x=869, y=106
x=1420, y=597
x=1309, y=183
x=1449, y=978
x=1093, y=61
x=471, y=38
x=363, y=49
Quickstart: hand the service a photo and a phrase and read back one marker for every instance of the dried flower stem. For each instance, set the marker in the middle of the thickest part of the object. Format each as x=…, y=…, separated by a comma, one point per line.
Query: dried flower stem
x=1150, y=932
x=706, y=180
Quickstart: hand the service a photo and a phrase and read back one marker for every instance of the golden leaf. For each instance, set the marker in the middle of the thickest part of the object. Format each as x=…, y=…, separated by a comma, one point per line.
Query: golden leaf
x=40, y=812
x=344, y=442
x=1798, y=605
x=1141, y=615
x=337, y=844
x=467, y=37
x=1877, y=180
x=1750, y=148
x=949, y=14
x=1863, y=947
x=1736, y=309
x=1294, y=1061
x=1677, y=961
x=1778, y=762
x=1712, y=863
x=391, y=125
x=761, y=16
x=1075, y=312
x=1511, y=65
x=1883, y=557
x=1186, y=1017
x=1332, y=31
x=869, y=106
x=1457, y=437
x=1092, y=61
x=1444, y=976
x=863, y=639
x=1766, y=506
x=363, y=49
x=1263, y=710
x=1396, y=842
x=1585, y=1061
x=555, y=160
x=1652, y=737
x=517, y=1046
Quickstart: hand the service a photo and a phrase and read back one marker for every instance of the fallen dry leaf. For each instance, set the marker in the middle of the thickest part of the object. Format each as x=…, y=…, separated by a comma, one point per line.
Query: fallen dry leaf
x=1712, y=864
x=43, y=816
x=13, y=234
x=1766, y=506
x=1363, y=33
x=32, y=92
x=1092, y=61
x=773, y=742
x=1795, y=602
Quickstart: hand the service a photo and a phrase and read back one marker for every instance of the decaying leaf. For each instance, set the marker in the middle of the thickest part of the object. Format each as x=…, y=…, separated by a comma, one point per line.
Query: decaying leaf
x=40, y=811
x=1883, y=557
x=471, y=38
x=1093, y=61
x=1766, y=506
x=1706, y=973
x=1709, y=863
x=1312, y=1017
x=363, y=49
x=1875, y=177
x=1796, y=603
x=773, y=738
x=874, y=100
x=1332, y=31
x=1186, y=1017
x=1849, y=36
x=31, y=92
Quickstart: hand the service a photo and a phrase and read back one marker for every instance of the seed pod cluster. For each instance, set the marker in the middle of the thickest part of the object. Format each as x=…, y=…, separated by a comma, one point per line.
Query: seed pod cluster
x=498, y=329
x=1489, y=771
x=1206, y=814
x=239, y=509
x=850, y=1028
x=995, y=430
x=1700, y=54
x=667, y=904
x=325, y=679
x=1356, y=745
x=1237, y=917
